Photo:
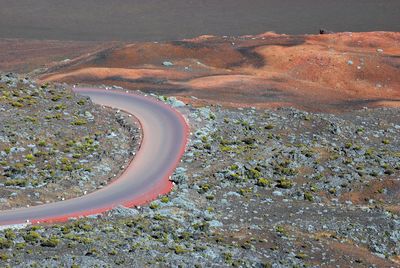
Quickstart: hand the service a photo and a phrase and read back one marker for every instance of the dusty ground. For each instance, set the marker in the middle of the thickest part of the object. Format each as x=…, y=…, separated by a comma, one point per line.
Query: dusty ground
x=24, y=55
x=333, y=72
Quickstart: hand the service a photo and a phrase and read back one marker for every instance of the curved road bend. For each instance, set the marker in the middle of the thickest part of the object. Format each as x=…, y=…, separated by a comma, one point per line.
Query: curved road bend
x=165, y=134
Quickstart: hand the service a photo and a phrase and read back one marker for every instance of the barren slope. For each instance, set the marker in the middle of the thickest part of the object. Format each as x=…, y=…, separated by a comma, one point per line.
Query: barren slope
x=332, y=72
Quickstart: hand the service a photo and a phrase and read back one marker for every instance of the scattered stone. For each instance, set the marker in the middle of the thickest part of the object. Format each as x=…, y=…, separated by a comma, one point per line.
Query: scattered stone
x=168, y=63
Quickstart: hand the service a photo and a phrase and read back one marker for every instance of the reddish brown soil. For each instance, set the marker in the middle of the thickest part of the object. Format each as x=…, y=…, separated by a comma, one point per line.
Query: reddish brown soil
x=385, y=192
x=359, y=253
x=24, y=56
x=330, y=73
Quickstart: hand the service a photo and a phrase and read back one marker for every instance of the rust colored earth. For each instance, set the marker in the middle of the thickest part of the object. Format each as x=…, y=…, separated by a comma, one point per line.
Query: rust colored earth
x=323, y=73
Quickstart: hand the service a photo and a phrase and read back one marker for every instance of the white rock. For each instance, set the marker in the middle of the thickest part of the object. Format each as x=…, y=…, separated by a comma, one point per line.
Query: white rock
x=168, y=63
x=277, y=193
x=215, y=223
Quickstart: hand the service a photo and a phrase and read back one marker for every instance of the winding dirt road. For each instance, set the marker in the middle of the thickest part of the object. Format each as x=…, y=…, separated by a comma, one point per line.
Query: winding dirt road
x=165, y=134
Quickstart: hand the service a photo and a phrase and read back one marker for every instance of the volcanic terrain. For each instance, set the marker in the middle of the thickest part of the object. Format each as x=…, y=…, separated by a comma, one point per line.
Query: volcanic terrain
x=333, y=72
x=312, y=184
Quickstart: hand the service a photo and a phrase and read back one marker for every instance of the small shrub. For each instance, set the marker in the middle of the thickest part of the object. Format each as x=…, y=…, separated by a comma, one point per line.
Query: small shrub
x=5, y=243
x=244, y=191
x=332, y=190
x=285, y=183
x=308, y=196
x=60, y=107
x=165, y=199
x=17, y=104
x=348, y=145
x=180, y=250
x=227, y=256
x=56, y=98
x=16, y=182
x=204, y=188
x=41, y=143
x=4, y=256
x=301, y=255
x=263, y=182
x=153, y=206
x=249, y=140
x=281, y=229
x=50, y=242
x=253, y=174
x=79, y=122
x=269, y=126
x=158, y=217
x=234, y=167
x=29, y=157
x=9, y=234
x=21, y=245
x=32, y=236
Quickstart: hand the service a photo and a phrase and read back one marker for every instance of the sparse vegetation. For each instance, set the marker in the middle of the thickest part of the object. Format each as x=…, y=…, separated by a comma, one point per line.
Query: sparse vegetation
x=246, y=194
x=57, y=144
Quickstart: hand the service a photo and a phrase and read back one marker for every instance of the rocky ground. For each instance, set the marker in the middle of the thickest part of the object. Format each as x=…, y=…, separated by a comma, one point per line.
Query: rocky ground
x=56, y=145
x=256, y=188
